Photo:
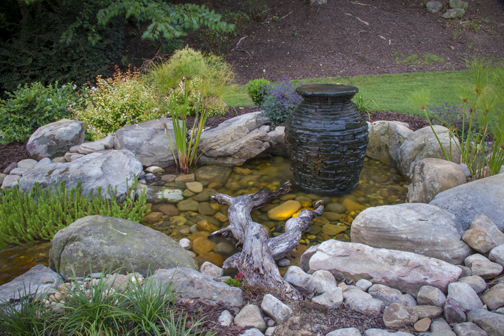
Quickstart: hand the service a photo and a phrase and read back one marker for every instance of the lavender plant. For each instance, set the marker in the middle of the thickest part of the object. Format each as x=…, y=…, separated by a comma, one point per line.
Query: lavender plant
x=280, y=100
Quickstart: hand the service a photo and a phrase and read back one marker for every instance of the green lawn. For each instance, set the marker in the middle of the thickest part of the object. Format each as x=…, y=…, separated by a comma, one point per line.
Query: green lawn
x=391, y=92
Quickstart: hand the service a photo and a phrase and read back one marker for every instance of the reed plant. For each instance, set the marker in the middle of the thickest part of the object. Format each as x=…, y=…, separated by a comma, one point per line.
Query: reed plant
x=481, y=118
x=40, y=214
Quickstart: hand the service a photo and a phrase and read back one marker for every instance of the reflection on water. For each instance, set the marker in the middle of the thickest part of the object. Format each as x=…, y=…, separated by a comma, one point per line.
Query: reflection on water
x=378, y=185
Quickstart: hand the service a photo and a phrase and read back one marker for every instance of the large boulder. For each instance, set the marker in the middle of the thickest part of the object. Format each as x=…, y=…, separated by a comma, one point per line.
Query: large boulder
x=148, y=141
x=412, y=227
x=432, y=176
x=98, y=243
x=423, y=144
x=405, y=271
x=39, y=279
x=484, y=196
x=99, y=169
x=55, y=139
x=195, y=285
x=234, y=141
x=385, y=138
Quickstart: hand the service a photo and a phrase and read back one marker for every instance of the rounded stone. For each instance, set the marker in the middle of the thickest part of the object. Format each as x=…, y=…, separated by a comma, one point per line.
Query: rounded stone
x=195, y=187
x=284, y=211
x=188, y=205
x=336, y=207
x=333, y=230
x=202, y=245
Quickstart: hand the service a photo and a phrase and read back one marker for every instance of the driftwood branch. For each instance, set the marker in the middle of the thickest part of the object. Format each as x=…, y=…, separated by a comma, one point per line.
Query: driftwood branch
x=259, y=252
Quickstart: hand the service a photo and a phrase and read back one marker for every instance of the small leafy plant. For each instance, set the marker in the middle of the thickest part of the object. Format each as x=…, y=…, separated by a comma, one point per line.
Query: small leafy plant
x=32, y=106
x=236, y=282
x=257, y=89
x=280, y=100
x=116, y=102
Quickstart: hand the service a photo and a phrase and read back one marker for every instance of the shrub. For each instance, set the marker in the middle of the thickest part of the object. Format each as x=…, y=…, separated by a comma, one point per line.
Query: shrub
x=25, y=218
x=32, y=106
x=212, y=77
x=116, y=102
x=281, y=99
x=257, y=89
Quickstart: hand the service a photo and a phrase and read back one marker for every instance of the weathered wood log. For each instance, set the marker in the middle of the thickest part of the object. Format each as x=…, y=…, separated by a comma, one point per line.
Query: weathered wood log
x=257, y=259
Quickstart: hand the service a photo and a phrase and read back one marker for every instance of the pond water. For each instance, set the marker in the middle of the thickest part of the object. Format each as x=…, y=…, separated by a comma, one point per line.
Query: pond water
x=378, y=185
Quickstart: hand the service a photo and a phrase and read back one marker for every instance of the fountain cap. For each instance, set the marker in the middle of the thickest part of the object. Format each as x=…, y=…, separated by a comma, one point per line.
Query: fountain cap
x=327, y=90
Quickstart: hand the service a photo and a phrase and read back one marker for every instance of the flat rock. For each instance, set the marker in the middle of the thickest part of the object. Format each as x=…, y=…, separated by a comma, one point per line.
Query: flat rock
x=387, y=295
x=195, y=285
x=345, y=332
x=39, y=279
x=483, y=267
x=55, y=139
x=212, y=174
x=381, y=332
x=484, y=196
x=494, y=298
x=99, y=169
x=468, y=329
x=366, y=306
x=100, y=242
x=405, y=271
x=148, y=142
x=482, y=221
x=428, y=311
x=408, y=227
x=397, y=315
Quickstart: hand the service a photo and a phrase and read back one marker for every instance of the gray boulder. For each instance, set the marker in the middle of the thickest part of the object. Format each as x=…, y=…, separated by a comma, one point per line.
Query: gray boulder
x=234, y=141
x=385, y=138
x=39, y=279
x=97, y=243
x=148, y=141
x=423, y=144
x=484, y=196
x=55, y=139
x=405, y=271
x=195, y=285
x=99, y=169
x=410, y=227
x=432, y=176
x=434, y=6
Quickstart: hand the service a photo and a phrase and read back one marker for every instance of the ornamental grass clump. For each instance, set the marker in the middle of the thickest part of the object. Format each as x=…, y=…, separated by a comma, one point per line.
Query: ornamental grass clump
x=115, y=102
x=40, y=214
x=479, y=119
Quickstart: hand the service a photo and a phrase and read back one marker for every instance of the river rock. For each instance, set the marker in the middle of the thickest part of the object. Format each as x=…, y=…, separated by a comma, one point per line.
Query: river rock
x=479, y=240
x=157, y=194
x=100, y=169
x=483, y=267
x=494, y=298
x=409, y=227
x=55, y=139
x=297, y=276
x=10, y=181
x=483, y=222
x=497, y=255
x=464, y=295
x=431, y=176
x=425, y=311
x=476, y=282
x=491, y=323
x=91, y=147
x=39, y=279
x=381, y=332
x=211, y=270
x=275, y=308
x=234, y=141
x=212, y=174
x=405, y=271
x=148, y=141
x=385, y=138
x=194, y=285
x=387, y=295
x=397, y=315
x=284, y=211
x=423, y=144
x=332, y=298
x=366, y=306
x=484, y=196
x=429, y=295
x=100, y=242
x=188, y=205
x=250, y=316
x=468, y=329
x=345, y=332
x=454, y=311
x=321, y=281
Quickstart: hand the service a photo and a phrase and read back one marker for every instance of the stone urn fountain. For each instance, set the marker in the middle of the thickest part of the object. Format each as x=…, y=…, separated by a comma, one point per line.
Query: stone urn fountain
x=326, y=136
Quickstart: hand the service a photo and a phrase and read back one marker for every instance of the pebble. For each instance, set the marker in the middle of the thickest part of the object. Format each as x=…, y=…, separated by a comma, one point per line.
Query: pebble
x=283, y=262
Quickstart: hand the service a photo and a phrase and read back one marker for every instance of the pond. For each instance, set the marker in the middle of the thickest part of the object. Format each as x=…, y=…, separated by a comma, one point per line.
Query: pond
x=378, y=185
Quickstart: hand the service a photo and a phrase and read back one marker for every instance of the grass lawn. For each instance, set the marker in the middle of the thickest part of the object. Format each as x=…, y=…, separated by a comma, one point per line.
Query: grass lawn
x=391, y=92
